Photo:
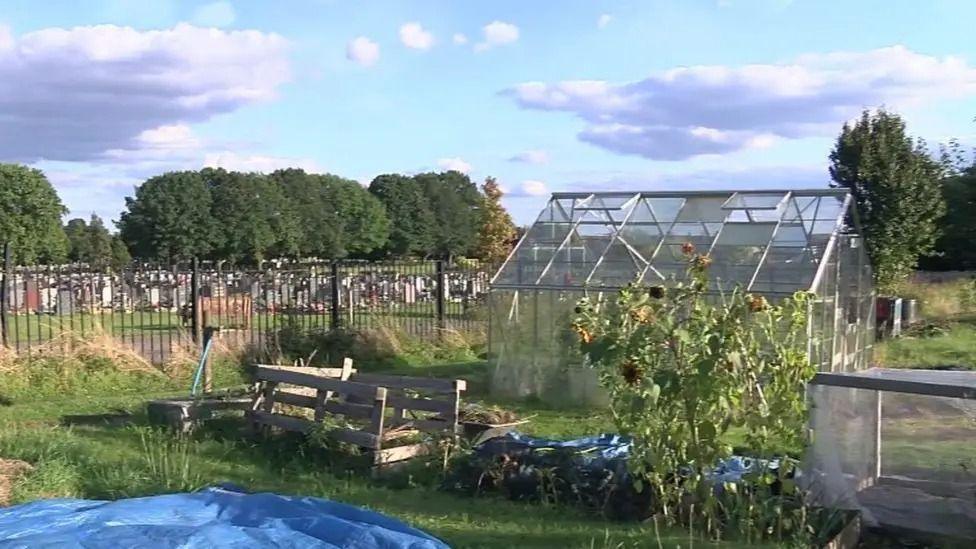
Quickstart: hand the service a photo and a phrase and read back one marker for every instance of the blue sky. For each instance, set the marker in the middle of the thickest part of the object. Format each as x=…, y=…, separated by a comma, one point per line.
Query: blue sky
x=545, y=96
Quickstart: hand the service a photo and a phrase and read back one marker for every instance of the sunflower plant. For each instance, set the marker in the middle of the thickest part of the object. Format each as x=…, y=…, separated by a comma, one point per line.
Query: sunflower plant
x=683, y=366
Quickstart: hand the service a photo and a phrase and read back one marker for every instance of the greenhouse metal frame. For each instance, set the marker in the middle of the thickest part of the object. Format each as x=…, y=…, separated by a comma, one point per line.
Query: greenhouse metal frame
x=769, y=242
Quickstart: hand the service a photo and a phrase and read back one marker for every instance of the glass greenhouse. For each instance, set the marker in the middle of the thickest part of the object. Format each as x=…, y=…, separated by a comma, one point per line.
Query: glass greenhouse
x=772, y=243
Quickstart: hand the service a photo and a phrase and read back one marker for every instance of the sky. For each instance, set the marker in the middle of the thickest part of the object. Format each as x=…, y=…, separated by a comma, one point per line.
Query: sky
x=546, y=96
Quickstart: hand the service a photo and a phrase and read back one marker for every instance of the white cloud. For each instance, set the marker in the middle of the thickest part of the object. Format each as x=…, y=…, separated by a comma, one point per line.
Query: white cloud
x=532, y=156
x=364, y=51
x=214, y=14
x=459, y=39
x=74, y=94
x=699, y=110
x=233, y=161
x=455, y=164
x=415, y=37
x=532, y=187
x=497, y=33
x=603, y=20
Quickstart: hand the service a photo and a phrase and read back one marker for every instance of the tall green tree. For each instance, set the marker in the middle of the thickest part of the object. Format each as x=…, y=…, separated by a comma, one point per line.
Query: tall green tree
x=120, y=253
x=956, y=247
x=338, y=217
x=100, y=243
x=169, y=218
x=895, y=184
x=253, y=218
x=79, y=247
x=497, y=234
x=412, y=230
x=30, y=215
x=456, y=205
x=90, y=242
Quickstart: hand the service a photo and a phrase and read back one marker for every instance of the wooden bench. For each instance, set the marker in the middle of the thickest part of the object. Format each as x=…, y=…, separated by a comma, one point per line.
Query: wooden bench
x=381, y=409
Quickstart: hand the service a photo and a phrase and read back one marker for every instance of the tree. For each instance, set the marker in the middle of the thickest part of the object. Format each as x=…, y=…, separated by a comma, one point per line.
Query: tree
x=100, y=243
x=895, y=185
x=412, y=233
x=456, y=205
x=120, y=253
x=497, y=234
x=169, y=218
x=253, y=218
x=955, y=249
x=89, y=243
x=338, y=217
x=30, y=215
x=79, y=248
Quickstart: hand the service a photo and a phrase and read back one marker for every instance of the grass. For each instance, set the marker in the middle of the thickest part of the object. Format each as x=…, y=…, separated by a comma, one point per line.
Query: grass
x=106, y=462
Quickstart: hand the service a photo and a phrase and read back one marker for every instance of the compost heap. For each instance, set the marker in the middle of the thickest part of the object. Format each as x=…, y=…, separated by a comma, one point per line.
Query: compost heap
x=589, y=471
x=214, y=517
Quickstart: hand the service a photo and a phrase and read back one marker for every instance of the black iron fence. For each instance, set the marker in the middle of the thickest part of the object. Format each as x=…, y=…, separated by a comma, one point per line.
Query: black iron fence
x=153, y=308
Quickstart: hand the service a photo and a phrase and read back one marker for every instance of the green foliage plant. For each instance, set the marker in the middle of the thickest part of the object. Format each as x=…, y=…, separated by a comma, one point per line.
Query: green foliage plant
x=682, y=367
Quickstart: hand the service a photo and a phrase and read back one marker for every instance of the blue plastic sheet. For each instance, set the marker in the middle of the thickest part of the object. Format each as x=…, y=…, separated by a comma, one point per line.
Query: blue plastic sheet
x=214, y=517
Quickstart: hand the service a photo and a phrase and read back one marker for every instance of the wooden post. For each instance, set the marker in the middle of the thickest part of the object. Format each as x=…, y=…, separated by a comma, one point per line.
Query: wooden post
x=379, y=412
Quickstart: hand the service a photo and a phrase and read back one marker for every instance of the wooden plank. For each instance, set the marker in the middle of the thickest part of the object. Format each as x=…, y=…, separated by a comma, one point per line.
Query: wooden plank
x=295, y=399
x=312, y=370
x=317, y=382
x=324, y=396
x=299, y=425
x=894, y=385
x=363, y=411
x=318, y=403
x=416, y=383
x=400, y=453
x=444, y=407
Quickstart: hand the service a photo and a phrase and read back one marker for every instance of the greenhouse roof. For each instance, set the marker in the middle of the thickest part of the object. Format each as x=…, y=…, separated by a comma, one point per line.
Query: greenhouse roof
x=770, y=241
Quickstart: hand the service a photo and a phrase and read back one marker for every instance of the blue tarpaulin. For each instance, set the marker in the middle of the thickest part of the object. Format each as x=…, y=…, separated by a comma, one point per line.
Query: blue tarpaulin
x=214, y=517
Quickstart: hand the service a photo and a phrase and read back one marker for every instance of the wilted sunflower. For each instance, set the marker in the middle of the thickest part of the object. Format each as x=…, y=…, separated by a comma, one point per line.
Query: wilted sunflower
x=657, y=292
x=631, y=372
x=757, y=303
x=702, y=261
x=584, y=334
x=641, y=314
x=687, y=248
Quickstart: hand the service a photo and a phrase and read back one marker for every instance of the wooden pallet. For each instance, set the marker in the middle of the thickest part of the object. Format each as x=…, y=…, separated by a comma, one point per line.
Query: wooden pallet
x=383, y=408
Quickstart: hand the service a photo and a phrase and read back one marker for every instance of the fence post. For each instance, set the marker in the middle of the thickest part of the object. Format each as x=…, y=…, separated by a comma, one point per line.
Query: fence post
x=336, y=317
x=5, y=282
x=197, y=319
x=441, y=294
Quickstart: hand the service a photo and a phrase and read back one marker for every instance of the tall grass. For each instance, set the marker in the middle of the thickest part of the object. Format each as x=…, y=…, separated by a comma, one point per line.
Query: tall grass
x=941, y=300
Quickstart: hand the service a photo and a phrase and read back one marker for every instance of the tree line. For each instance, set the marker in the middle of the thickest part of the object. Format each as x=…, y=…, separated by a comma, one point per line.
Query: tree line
x=246, y=218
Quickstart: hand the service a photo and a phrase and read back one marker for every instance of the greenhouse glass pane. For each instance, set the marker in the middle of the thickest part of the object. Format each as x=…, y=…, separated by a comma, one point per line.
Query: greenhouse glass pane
x=754, y=201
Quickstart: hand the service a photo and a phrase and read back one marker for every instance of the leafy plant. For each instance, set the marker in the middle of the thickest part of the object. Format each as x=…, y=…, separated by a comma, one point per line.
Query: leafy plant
x=682, y=367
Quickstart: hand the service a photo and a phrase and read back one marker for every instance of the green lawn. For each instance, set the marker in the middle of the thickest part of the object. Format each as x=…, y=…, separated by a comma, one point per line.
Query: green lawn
x=951, y=344
x=104, y=461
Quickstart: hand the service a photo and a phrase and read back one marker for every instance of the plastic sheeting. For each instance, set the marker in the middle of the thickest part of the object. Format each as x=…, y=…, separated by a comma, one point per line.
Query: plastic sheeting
x=214, y=517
